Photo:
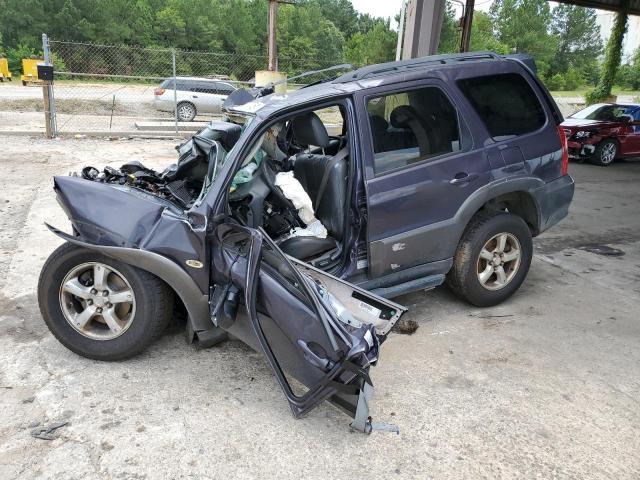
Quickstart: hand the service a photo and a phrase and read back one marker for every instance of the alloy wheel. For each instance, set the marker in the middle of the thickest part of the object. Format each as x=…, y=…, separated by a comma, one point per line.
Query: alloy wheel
x=499, y=261
x=185, y=112
x=97, y=301
x=608, y=153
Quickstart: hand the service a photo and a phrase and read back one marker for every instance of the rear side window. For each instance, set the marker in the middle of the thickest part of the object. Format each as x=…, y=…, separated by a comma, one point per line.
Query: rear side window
x=505, y=103
x=412, y=126
x=224, y=89
x=203, y=87
x=180, y=84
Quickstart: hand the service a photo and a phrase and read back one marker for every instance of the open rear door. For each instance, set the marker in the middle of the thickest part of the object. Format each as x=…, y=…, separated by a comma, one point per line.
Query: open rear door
x=320, y=334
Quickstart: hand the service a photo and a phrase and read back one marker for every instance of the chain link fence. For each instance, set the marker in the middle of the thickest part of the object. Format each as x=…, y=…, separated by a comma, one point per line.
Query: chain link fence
x=115, y=90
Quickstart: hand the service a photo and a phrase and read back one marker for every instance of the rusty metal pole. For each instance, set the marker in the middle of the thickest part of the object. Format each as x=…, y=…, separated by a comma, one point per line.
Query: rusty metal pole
x=465, y=38
x=47, y=110
x=47, y=92
x=273, y=25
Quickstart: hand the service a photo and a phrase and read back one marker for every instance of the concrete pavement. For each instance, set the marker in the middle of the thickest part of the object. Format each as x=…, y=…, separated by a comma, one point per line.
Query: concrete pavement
x=546, y=385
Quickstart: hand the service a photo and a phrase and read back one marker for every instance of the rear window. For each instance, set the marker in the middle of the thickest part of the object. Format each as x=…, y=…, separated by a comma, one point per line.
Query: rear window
x=225, y=89
x=180, y=84
x=505, y=103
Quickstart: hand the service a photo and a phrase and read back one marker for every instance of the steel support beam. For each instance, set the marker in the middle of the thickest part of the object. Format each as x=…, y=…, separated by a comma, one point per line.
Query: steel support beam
x=422, y=31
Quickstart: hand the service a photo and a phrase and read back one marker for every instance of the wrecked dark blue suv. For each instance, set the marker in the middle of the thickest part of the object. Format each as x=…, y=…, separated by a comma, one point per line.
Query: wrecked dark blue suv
x=290, y=224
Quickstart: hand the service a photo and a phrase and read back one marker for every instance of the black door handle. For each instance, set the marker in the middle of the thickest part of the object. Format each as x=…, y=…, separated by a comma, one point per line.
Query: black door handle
x=313, y=358
x=463, y=177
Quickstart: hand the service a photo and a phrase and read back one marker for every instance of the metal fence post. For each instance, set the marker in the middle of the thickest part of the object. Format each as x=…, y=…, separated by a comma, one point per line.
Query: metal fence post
x=51, y=127
x=175, y=90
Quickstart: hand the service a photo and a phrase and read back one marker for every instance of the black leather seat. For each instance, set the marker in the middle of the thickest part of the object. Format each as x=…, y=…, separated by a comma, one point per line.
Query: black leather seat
x=309, y=169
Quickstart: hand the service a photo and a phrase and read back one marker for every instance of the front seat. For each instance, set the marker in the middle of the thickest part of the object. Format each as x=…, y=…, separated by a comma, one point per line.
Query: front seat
x=324, y=178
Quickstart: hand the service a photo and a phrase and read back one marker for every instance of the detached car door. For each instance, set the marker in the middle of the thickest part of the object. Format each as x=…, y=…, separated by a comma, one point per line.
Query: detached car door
x=319, y=334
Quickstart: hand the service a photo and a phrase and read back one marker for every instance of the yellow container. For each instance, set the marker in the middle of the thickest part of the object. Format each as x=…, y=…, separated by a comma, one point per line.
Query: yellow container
x=4, y=70
x=30, y=70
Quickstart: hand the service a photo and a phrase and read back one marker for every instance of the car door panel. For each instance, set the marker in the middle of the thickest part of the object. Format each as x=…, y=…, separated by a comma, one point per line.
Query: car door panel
x=315, y=346
x=404, y=205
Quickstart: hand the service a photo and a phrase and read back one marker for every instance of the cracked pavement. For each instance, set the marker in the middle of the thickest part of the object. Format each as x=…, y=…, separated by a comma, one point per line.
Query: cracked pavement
x=546, y=385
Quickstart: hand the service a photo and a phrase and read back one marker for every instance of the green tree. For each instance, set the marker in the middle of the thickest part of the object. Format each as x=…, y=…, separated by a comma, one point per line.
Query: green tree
x=376, y=46
x=573, y=79
x=342, y=14
x=578, y=34
x=483, y=37
x=522, y=26
x=628, y=75
x=450, y=32
x=306, y=39
x=612, y=58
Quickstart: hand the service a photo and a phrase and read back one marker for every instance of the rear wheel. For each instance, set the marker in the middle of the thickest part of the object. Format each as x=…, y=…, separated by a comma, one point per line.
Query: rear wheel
x=492, y=259
x=186, y=111
x=605, y=153
x=101, y=308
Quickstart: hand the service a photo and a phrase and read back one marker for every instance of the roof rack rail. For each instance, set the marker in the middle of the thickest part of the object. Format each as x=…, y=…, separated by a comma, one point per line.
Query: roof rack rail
x=403, y=65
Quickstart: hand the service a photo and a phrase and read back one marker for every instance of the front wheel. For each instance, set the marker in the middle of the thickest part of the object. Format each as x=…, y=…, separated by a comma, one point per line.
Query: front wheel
x=605, y=153
x=100, y=308
x=492, y=259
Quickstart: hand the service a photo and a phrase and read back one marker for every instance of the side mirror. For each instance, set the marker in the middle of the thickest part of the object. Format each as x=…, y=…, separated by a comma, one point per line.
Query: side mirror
x=626, y=119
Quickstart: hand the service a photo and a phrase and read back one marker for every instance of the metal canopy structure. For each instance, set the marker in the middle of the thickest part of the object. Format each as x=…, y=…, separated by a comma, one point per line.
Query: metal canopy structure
x=424, y=20
x=633, y=7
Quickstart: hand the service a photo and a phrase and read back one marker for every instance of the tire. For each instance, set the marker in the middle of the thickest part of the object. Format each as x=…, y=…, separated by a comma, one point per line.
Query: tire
x=605, y=153
x=24, y=84
x=486, y=230
x=186, y=111
x=141, y=319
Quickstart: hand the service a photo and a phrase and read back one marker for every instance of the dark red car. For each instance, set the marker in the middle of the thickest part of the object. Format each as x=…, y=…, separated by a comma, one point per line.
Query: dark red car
x=603, y=132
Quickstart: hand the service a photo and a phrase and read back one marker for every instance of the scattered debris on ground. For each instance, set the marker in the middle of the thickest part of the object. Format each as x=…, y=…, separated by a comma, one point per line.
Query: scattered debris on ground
x=405, y=327
x=49, y=431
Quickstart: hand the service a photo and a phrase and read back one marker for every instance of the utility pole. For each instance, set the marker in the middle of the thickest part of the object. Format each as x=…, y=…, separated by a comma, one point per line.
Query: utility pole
x=467, y=19
x=273, y=26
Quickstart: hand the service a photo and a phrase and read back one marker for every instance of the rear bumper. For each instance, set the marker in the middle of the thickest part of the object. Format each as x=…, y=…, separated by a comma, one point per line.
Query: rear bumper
x=553, y=201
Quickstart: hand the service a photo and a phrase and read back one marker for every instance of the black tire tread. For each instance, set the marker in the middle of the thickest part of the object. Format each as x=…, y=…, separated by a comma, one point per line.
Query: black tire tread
x=455, y=277
x=160, y=292
x=458, y=278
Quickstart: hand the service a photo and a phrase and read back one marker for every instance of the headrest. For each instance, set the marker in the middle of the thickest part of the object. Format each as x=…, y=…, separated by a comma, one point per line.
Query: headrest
x=378, y=124
x=308, y=129
x=400, y=116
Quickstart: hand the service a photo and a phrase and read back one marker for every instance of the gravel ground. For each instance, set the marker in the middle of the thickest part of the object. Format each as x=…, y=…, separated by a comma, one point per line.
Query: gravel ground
x=546, y=385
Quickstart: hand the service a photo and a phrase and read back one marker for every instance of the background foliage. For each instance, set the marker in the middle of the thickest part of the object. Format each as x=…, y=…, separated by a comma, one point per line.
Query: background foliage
x=320, y=32
x=565, y=41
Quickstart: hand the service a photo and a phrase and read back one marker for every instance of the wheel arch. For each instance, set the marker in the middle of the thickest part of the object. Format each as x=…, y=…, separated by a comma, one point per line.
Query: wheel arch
x=197, y=305
x=515, y=195
x=520, y=203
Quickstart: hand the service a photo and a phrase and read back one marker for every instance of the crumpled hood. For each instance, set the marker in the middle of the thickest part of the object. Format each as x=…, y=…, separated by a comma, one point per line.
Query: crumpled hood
x=105, y=214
